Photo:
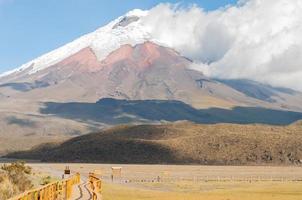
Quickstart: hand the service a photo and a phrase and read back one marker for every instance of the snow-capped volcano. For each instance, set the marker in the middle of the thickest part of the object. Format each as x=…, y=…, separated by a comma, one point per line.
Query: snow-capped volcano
x=122, y=60
x=126, y=29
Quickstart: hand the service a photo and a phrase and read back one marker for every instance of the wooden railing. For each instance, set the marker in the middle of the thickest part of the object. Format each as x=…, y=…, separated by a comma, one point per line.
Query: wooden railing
x=53, y=191
x=95, y=186
x=62, y=190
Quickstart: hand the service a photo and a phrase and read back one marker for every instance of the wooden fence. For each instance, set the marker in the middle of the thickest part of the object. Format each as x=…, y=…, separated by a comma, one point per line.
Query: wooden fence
x=212, y=179
x=174, y=179
x=53, y=191
x=95, y=186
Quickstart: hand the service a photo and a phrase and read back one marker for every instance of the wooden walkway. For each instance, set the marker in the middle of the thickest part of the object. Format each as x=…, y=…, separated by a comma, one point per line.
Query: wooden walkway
x=72, y=188
x=81, y=192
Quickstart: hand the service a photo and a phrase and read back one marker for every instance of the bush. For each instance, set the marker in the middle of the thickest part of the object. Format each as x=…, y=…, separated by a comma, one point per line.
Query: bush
x=7, y=188
x=14, y=179
x=17, y=168
x=45, y=180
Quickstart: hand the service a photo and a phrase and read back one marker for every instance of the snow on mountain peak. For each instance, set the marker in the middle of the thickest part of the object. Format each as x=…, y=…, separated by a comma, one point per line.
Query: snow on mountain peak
x=138, y=13
x=102, y=41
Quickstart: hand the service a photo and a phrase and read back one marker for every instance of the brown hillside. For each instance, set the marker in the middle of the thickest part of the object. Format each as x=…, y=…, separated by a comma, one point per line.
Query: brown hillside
x=180, y=143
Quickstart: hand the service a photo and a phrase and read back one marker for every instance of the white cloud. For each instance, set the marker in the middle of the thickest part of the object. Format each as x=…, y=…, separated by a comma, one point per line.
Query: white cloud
x=256, y=39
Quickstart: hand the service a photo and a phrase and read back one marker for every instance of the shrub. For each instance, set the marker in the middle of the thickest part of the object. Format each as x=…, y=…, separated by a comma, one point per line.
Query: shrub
x=45, y=180
x=14, y=179
x=7, y=188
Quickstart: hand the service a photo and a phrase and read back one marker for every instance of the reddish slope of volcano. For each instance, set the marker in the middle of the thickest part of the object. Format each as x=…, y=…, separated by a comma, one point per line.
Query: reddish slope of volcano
x=85, y=57
x=141, y=56
x=140, y=72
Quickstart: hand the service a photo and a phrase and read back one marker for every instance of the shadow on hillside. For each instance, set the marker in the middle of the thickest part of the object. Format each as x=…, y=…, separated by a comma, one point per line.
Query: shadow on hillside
x=113, y=111
x=101, y=149
x=257, y=90
x=12, y=120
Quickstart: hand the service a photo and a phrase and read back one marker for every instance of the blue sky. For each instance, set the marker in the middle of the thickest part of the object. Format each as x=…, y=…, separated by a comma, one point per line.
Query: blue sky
x=30, y=28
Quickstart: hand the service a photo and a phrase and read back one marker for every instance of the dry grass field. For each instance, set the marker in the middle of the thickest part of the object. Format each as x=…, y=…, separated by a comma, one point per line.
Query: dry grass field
x=180, y=143
x=220, y=191
x=192, y=182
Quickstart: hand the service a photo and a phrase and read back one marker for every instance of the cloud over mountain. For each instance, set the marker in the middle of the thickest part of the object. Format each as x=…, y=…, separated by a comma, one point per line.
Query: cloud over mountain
x=255, y=39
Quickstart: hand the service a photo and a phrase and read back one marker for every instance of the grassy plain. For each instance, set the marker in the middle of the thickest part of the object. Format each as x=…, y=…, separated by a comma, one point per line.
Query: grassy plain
x=222, y=191
x=189, y=182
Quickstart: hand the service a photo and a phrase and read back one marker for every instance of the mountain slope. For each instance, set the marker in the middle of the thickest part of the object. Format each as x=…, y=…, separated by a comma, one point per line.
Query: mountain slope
x=180, y=143
x=141, y=72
